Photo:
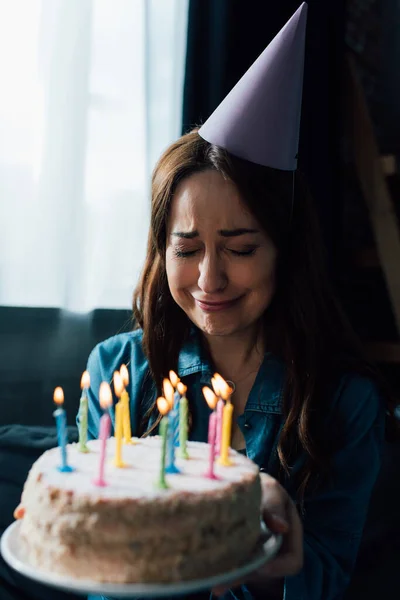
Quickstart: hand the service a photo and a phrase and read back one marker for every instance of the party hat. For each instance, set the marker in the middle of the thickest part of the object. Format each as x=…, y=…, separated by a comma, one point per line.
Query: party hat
x=259, y=120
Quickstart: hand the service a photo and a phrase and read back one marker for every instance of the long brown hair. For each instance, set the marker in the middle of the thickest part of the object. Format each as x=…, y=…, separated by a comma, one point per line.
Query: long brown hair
x=304, y=322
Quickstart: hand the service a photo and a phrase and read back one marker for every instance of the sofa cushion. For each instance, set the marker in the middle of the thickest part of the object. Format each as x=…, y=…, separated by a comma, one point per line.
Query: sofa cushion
x=20, y=446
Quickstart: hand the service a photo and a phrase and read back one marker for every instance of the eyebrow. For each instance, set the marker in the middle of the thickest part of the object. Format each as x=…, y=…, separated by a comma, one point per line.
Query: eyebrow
x=189, y=235
x=236, y=232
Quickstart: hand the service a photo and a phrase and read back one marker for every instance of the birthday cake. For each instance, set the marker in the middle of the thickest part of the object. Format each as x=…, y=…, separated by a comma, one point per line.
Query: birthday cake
x=131, y=530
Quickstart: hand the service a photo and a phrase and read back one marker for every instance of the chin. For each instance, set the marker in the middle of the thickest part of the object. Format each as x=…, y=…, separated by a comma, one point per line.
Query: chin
x=217, y=331
x=215, y=326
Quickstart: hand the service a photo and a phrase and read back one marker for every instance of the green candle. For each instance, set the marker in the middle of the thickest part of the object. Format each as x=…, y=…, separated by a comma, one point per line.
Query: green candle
x=83, y=413
x=83, y=423
x=183, y=426
x=164, y=434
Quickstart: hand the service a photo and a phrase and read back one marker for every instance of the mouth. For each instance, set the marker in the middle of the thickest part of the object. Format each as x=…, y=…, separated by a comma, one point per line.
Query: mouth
x=216, y=306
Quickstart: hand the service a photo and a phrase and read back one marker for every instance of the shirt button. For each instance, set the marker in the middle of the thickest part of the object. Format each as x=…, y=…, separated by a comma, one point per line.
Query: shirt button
x=247, y=426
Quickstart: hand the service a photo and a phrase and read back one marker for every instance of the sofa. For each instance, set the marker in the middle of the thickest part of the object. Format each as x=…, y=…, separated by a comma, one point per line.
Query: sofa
x=42, y=348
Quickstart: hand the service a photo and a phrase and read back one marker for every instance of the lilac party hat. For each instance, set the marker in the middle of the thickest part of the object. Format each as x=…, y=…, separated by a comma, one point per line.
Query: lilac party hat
x=259, y=120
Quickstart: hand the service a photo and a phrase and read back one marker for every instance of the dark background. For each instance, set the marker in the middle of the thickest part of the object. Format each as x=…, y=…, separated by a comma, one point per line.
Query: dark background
x=42, y=348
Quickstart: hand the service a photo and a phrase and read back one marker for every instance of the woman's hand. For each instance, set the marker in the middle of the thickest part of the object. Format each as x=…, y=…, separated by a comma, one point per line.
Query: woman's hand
x=280, y=515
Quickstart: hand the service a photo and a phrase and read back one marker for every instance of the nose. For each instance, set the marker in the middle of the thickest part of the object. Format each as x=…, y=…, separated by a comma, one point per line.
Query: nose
x=212, y=275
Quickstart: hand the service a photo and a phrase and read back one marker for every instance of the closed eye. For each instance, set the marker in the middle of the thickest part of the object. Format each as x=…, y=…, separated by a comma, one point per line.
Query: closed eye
x=247, y=252
x=184, y=253
x=188, y=253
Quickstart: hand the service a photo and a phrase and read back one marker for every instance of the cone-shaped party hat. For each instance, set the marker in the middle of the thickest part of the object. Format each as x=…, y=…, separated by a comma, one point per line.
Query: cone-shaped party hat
x=259, y=120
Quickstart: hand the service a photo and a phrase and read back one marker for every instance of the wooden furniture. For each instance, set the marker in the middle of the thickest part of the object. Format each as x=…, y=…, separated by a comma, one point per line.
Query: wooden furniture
x=372, y=172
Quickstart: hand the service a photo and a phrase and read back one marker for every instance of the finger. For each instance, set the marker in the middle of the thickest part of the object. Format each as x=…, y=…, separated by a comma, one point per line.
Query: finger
x=275, y=523
x=19, y=512
x=290, y=559
x=274, y=498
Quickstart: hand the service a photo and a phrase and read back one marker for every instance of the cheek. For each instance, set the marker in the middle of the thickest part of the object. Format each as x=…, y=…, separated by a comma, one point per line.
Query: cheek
x=256, y=275
x=180, y=275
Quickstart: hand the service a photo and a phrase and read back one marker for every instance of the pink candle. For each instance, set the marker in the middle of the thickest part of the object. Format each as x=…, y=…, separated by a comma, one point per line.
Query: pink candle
x=211, y=400
x=212, y=430
x=220, y=411
x=105, y=430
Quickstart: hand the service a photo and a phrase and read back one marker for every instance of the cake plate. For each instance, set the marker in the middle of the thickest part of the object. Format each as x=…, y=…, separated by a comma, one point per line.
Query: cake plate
x=13, y=553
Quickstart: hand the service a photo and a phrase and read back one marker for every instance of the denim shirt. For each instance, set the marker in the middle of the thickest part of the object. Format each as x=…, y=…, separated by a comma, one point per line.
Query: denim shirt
x=333, y=518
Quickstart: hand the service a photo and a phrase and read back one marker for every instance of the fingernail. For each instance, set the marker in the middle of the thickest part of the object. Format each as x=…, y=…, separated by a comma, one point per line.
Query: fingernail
x=280, y=522
x=19, y=512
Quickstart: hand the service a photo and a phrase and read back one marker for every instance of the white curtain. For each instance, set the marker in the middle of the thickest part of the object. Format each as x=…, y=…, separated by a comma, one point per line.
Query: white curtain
x=90, y=95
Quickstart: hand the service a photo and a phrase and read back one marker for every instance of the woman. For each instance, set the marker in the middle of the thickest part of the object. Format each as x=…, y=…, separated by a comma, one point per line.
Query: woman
x=234, y=282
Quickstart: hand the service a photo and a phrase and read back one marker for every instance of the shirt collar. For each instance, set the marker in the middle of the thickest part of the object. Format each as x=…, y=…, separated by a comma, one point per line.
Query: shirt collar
x=192, y=358
x=268, y=387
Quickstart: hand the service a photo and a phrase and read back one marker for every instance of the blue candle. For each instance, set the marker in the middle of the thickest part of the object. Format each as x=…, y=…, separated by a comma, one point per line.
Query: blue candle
x=61, y=423
x=173, y=417
x=177, y=400
x=174, y=380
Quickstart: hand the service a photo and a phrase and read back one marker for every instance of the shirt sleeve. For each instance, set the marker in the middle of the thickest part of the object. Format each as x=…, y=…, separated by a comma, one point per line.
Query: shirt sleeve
x=334, y=517
x=106, y=358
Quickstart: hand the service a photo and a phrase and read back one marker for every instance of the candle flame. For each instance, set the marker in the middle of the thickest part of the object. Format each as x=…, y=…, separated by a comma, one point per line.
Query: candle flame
x=174, y=379
x=58, y=396
x=105, y=395
x=168, y=392
x=118, y=384
x=182, y=388
x=214, y=383
x=124, y=374
x=162, y=405
x=85, y=380
x=210, y=397
x=224, y=390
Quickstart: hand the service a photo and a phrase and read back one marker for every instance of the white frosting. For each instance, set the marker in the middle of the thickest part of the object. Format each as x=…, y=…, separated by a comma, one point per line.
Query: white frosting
x=140, y=478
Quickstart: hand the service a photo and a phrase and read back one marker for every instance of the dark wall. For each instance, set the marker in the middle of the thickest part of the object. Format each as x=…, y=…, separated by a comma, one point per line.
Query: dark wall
x=390, y=81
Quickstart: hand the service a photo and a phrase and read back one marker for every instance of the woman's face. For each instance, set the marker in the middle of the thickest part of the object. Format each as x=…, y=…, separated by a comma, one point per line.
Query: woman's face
x=220, y=264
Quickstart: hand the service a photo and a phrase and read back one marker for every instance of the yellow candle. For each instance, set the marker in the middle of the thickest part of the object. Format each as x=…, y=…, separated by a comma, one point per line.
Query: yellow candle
x=227, y=416
x=226, y=434
x=118, y=387
x=126, y=418
x=118, y=462
x=126, y=414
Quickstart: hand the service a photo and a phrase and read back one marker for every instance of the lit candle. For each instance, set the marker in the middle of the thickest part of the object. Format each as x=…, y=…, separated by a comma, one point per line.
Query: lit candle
x=211, y=400
x=126, y=414
x=183, y=420
x=163, y=407
x=83, y=413
x=105, y=397
x=220, y=410
x=225, y=392
x=172, y=417
x=118, y=387
x=61, y=423
x=174, y=379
